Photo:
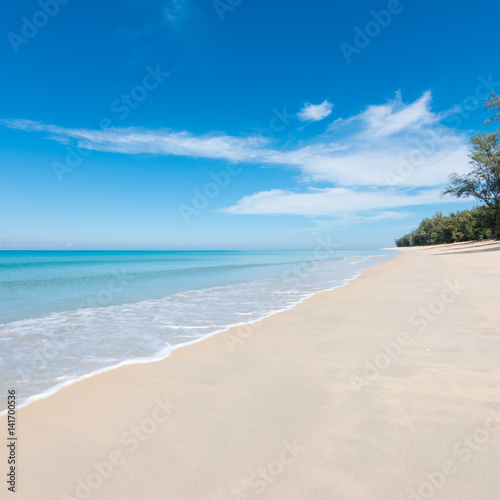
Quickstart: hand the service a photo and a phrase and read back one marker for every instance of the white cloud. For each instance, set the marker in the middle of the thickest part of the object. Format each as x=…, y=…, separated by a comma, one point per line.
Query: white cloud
x=319, y=226
x=394, y=144
x=161, y=142
x=396, y=117
x=331, y=201
x=424, y=159
x=315, y=112
x=388, y=144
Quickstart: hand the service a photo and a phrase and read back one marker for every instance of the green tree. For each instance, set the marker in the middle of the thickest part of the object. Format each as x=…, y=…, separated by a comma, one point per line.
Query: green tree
x=466, y=225
x=483, y=180
x=405, y=241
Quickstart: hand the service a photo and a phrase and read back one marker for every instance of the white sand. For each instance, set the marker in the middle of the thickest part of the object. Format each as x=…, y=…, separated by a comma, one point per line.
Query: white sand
x=280, y=417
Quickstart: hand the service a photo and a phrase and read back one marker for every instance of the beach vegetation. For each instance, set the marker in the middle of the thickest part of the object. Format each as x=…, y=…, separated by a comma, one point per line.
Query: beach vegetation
x=482, y=182
x=465, y=225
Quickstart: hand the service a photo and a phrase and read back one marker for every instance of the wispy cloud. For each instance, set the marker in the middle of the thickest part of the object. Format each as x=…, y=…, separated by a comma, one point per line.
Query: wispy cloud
x=395, y=117
x=161, y=142
x=315, y=112
x=332, y=201
x=320, y=225
x=379, y=159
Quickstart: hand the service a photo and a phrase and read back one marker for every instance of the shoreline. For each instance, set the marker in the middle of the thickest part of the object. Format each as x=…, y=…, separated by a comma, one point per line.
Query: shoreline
x=167, y=352
x=280, y=416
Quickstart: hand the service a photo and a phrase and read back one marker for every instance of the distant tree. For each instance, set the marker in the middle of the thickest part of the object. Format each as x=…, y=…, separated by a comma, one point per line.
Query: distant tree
x=405, y=241
x=483, y=180
x=483, y=220
x=466, y=225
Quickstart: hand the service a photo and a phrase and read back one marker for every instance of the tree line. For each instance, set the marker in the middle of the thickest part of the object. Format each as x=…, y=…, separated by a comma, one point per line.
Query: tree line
x=482, y=182
x=465, y=225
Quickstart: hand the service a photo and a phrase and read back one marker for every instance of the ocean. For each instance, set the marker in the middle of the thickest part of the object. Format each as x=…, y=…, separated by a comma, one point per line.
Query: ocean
x=65, y=315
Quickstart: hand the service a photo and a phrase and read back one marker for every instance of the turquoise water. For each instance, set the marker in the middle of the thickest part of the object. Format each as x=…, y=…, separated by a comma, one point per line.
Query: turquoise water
x=65, y=314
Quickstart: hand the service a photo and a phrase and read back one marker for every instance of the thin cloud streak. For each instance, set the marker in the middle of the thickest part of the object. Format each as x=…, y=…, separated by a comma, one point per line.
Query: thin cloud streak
x=331, y=201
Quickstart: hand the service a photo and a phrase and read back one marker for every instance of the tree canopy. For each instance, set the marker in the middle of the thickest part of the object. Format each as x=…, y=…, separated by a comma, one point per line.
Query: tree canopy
x=483, y=180
x=466, y=225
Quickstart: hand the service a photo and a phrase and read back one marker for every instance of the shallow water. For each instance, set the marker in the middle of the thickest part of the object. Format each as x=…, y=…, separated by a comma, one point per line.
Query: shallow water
x=67, y=314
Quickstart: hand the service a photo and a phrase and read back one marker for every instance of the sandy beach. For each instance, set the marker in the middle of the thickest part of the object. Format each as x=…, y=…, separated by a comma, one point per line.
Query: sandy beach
x=387, y=388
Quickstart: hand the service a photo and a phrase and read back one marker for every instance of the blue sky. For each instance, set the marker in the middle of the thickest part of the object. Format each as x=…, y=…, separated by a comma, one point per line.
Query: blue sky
x=236, y=124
